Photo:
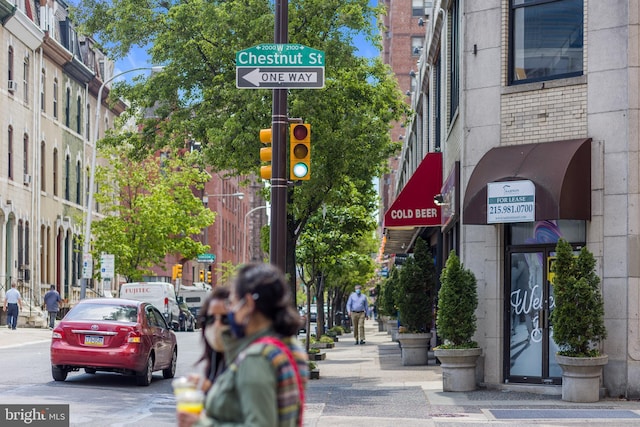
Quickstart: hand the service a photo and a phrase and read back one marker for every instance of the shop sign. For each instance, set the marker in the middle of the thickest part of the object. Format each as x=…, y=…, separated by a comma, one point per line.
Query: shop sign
x=511, y=201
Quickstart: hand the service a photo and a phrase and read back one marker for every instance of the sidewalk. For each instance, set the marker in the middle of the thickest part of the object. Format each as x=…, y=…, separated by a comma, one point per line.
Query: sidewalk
x=366, y=385
x=21, y=336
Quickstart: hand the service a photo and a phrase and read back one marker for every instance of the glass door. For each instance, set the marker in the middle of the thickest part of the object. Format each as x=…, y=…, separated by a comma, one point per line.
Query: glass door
x=529, y=333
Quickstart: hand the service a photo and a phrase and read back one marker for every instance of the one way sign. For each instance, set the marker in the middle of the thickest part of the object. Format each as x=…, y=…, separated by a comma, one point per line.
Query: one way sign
x=279, y=78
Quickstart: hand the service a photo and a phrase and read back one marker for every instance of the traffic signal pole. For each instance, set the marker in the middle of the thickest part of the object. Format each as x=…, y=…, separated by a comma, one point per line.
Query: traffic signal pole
x=279, y=122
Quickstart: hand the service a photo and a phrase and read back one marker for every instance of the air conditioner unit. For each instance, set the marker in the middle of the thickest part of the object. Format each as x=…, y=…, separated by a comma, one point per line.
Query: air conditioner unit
x=26, y=179
x=12, y=86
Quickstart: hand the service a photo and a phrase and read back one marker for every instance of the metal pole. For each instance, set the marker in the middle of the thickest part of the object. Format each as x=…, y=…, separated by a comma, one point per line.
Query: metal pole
x=86, y=247
x=279, y=121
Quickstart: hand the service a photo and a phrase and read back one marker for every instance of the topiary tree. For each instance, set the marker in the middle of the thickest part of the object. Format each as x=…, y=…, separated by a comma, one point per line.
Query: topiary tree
x=457, y=303
x=416, y=290
x=578, y=316
x=387, y=297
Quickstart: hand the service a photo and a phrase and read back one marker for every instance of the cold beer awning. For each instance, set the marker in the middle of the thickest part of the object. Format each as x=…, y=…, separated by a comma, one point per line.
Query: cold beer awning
x=414, y=207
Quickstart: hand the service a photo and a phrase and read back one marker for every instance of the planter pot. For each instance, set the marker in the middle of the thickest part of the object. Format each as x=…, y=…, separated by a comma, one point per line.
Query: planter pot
x=458, y=368
x=322, y=345
x=317, y=356
x=392, y=325
x=581, y=377
x=382, y=325
x=314, y=374
x=415, y=348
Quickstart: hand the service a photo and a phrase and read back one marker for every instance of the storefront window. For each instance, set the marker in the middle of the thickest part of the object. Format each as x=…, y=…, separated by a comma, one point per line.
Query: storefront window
x=546, y=232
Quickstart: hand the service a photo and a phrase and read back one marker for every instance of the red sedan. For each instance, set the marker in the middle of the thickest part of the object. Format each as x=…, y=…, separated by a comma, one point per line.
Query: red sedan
x=114, y=335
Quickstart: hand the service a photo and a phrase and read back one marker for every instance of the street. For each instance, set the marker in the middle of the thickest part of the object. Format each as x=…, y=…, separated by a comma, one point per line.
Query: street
x=103, y=399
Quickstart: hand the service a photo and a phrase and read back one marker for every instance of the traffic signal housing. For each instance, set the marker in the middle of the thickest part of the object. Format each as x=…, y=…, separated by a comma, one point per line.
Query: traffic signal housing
x=209, y=277
x=202, y=275
x=178, y=271
x=266, y=153
x=300, y=152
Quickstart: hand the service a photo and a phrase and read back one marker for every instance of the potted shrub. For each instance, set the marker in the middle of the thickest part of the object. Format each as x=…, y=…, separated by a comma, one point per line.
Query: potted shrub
x=578, y=323
x=416, y=288
x=314, y=371
x=388, y=301
x=456, y=324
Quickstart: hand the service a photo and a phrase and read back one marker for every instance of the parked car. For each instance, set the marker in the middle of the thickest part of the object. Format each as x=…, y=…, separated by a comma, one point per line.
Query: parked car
x=187, y=319
x=114, y=335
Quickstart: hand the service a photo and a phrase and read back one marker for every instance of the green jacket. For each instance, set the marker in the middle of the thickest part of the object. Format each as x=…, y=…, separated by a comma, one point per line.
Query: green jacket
x=245, y=394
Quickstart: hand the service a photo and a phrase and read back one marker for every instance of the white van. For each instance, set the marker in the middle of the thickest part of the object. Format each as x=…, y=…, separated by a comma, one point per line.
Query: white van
x=161, y=294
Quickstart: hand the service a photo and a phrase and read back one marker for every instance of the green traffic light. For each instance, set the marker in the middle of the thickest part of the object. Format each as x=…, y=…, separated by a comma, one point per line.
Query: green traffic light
x=300, y=170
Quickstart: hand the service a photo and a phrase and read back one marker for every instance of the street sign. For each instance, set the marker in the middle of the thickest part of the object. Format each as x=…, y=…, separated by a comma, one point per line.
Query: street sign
x=87, y=266
x=206, y=258
x=107, y=266
x=280, y=55
x=280, y=66
x=279, y=78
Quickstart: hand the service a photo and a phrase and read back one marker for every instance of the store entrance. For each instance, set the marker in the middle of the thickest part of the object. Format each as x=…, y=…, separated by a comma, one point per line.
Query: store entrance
x=529, y=346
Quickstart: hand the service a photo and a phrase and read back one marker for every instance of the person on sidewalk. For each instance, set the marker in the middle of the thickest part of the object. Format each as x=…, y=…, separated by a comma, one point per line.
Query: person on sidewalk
x=51, y=303
x=358, y=307
x=12, y=300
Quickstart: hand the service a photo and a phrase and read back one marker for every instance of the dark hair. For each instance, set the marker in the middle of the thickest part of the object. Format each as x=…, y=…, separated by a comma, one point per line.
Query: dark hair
x=266, y=284
x=218, y=293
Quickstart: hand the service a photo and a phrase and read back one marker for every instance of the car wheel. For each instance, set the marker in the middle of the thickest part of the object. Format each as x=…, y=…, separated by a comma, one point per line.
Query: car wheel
x=170, y=372
x=145, y=376
x=59, y=374
x=90, y=370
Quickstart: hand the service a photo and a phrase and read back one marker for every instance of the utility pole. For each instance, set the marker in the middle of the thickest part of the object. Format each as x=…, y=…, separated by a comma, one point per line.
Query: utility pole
x=279, y=122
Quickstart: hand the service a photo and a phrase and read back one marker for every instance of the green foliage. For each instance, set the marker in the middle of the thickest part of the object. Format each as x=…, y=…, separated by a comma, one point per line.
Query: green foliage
x=578, y=316
x=457, y=302
x=326, y=339
x=387, y=296
x=312, y=365
x=150, y=210
x=337, y=329
x=417, y=286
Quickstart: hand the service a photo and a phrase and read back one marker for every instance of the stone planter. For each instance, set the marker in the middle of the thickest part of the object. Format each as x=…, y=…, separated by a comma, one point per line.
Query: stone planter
x=314, y=374
x=392, y=324
x=317, y=356
x=382, y=325
x=415, y=348
x=458, y=368
x=323, y=345
x=581, y=377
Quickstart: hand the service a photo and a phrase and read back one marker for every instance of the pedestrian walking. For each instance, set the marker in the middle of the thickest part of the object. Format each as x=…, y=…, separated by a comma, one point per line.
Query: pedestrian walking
x=358, y=308
x=12, y=300
x=267, y=368
x=52, y=302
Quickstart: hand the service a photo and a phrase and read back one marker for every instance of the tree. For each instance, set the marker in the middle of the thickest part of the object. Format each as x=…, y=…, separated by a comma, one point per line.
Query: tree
x=578, y=316
x=149, y=209
x=388, y=306
x=416, y=288
x=197, y=42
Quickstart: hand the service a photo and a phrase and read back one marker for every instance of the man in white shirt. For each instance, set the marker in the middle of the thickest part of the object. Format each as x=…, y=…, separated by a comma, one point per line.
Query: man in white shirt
x=12, y=300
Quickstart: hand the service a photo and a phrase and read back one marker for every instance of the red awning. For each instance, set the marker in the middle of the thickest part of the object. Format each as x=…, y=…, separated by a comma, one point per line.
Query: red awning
x=414, y=206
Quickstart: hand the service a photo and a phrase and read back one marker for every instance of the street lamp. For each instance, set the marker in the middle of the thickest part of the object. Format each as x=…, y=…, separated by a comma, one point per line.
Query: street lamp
x=87, y=232
x=244, y=253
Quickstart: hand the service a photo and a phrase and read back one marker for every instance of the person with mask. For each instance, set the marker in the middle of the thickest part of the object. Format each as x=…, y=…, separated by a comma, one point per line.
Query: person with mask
x=214, y=322
x=357, y=307
x=267, y=368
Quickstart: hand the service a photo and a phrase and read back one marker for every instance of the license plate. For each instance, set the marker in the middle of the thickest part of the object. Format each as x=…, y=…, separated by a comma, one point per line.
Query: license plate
x=96, y=340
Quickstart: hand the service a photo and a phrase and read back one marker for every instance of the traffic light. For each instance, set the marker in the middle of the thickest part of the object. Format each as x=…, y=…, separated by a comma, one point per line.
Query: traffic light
x=174, y=274
x=178, y=269
x=202, y=275
x=265, y=153
x=209, y=277
x=300, y=152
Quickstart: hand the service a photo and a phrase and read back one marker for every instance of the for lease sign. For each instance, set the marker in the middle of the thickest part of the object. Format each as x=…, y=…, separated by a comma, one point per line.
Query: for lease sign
x=511, y=201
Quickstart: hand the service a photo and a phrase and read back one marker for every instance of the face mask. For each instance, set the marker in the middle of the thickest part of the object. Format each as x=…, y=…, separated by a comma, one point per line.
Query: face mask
x=237, y=329
x=213, y=336
x=358, y=291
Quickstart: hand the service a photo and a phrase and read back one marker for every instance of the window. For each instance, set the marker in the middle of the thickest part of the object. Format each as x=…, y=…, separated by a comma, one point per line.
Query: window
x=79, y=114
x=43, y=169
x=25, y=154
x=25, y=83
x=88, y=124
x=546, y=40
x=454, y=54
x=67, y=178
x=417, y=7
x=10, y=152
x=78, y=182
x=55, y=99
x=10, y=63
x=55, y=171
x=43, y=85
x=67, y=108
x=417, y=43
